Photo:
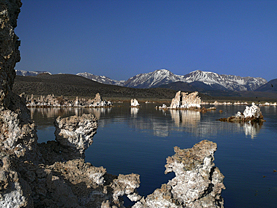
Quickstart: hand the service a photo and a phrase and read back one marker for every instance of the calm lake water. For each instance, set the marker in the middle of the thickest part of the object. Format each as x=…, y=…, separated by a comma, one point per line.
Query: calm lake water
x=139, y=141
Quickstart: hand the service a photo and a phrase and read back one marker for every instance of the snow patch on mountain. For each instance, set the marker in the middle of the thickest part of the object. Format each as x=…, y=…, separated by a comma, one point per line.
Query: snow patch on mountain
x=152, y=79
x=101, y=79
x=230, y=82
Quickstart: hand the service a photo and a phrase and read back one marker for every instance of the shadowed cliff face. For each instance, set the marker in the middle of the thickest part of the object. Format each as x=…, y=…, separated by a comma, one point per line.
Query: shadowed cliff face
x=9, y=53
x=55, y=174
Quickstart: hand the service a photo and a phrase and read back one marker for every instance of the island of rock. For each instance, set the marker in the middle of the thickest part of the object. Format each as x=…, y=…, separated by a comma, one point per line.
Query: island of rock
x=134, y=103
x=251, y=114
x=183, y=100
x=186, y=101
x=54, y=174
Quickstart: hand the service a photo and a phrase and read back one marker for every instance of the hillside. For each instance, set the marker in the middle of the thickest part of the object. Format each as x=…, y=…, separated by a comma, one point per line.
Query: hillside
x=271, y=86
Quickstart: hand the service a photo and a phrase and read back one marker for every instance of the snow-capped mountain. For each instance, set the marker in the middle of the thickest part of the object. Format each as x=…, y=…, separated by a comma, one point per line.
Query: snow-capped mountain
x=101, y=79
x=230, y=82
x=30, y=73
x=163, y=76
x=152, y=79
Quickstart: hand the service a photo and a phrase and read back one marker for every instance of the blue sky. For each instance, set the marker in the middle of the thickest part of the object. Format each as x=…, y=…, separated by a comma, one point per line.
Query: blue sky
x=120, y=39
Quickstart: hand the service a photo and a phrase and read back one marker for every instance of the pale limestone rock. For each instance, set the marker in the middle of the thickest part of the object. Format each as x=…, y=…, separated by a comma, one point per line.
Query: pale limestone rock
x=76, y=132
x=126, y=184
x=134, y=103
x=163, y=106
x=198, y=183
x=15, y=192
x=98, y=102
x=253, y=111
x=185, y=101
x=77, y=102
x=251, y=115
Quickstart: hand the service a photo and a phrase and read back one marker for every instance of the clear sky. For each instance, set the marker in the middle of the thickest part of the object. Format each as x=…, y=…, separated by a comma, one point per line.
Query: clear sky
x=122, y=38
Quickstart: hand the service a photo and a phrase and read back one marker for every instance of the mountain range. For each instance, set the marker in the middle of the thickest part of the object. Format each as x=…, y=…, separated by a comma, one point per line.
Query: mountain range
x=195, y=80
x=71, y=85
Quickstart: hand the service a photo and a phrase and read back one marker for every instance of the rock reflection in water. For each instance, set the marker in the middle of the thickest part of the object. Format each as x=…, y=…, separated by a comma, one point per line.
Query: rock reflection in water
x=252, y=129
x=189, y=121
x=185, y=118
x=134, y=112
x=55, y=112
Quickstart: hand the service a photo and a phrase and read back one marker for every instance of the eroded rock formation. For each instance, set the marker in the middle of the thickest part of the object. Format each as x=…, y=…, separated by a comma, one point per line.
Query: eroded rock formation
x=134, y=103
x=76, y=132
x=198, y=183
x=9, y=53
x=251, y=114
x=183, y=100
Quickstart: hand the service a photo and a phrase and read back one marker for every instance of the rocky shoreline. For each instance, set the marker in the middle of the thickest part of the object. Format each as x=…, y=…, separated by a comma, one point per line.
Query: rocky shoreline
x=50, y=101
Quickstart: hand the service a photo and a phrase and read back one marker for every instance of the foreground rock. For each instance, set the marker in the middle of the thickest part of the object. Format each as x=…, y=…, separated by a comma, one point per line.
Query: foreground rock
x=198, y=183
x=251, y=114
x=76, y=132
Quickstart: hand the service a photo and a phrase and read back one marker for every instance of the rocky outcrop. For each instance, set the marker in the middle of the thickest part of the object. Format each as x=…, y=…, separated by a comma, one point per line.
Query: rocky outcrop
x=134, y=103
x=183, y=100
x=251, y=114
x=198, y=183
x=9, y=53
x=99, y=102
x=76, y=132
x=17, y=131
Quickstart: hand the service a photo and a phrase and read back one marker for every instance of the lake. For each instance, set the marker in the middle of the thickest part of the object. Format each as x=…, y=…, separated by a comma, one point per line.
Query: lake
x=131, y=140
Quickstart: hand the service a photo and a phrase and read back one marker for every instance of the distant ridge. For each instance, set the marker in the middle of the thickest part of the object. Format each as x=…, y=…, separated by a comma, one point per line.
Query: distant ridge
x=163, y=76
x=30, y=73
